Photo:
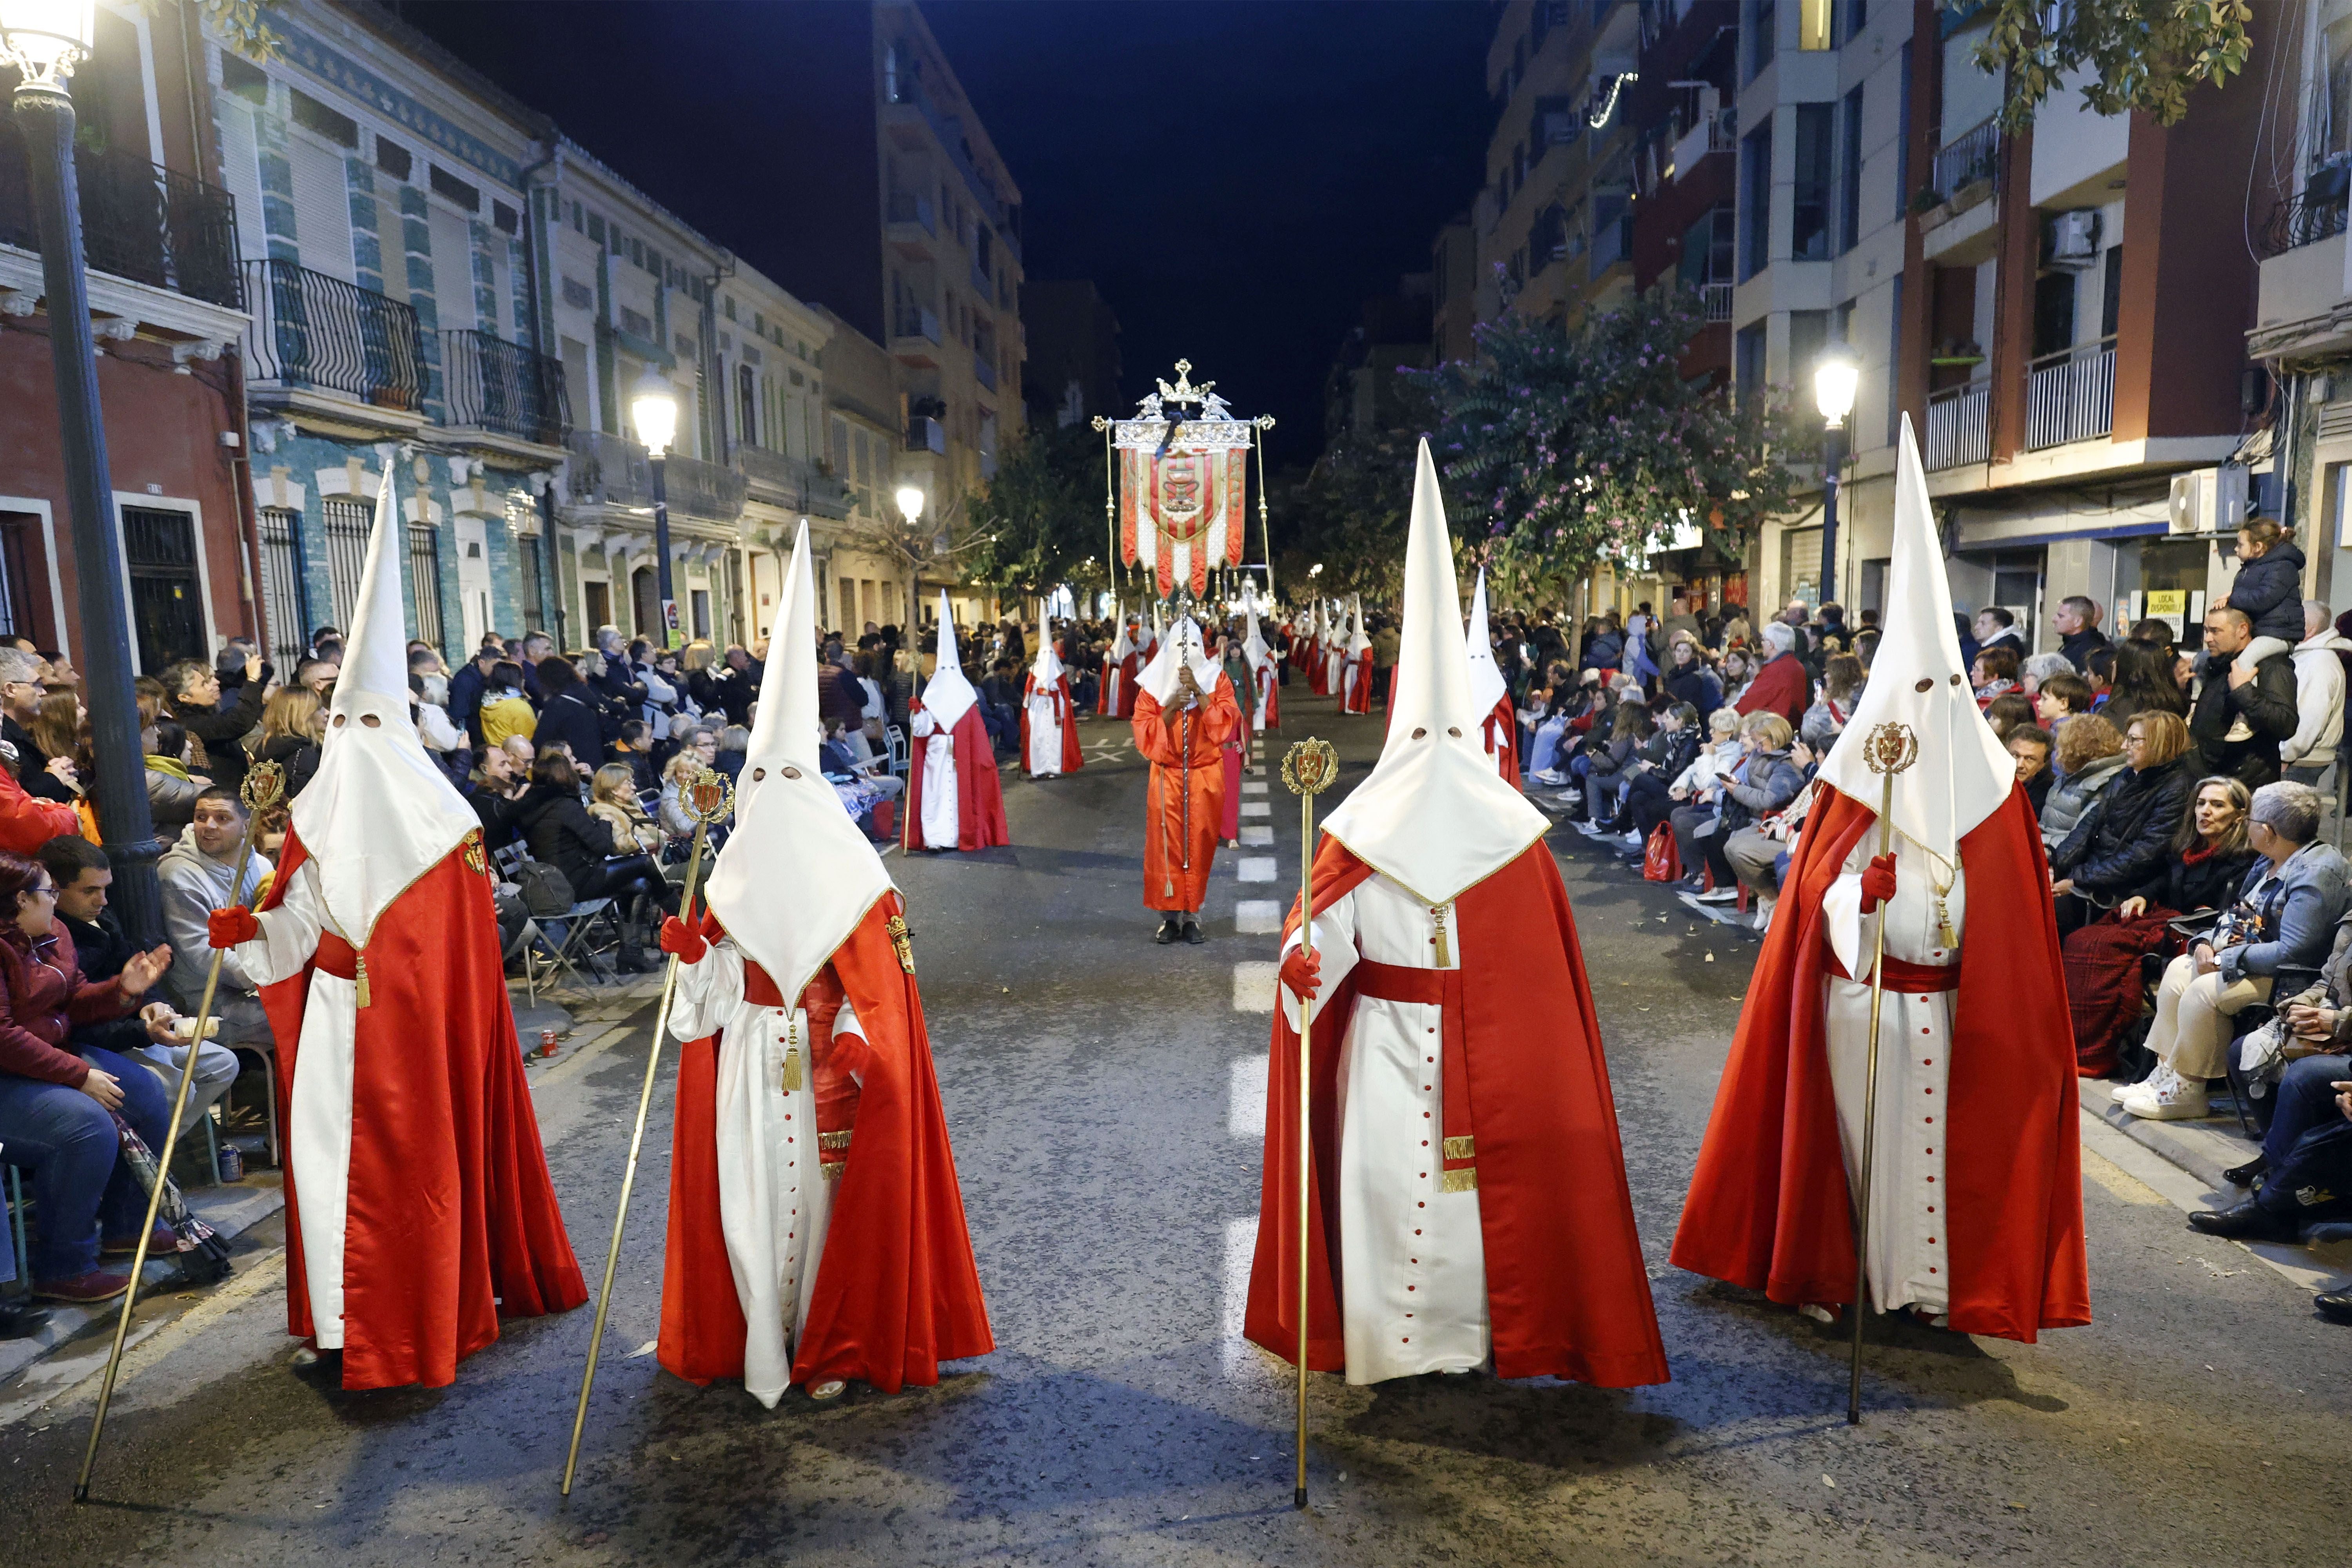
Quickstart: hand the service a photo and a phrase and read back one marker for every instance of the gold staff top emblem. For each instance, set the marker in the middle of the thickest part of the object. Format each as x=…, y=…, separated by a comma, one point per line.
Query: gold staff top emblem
x=897, y=927
x=1890, y=748
x=1309, y=767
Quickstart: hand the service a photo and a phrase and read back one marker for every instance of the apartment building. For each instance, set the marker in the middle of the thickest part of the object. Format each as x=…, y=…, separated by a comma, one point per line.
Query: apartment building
x=1074, y=368
x=168, y=298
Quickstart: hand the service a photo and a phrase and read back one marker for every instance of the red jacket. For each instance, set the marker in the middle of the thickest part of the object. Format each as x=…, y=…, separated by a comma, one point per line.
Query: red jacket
x=27, y=824
x=1782, y=687
x=42, y=996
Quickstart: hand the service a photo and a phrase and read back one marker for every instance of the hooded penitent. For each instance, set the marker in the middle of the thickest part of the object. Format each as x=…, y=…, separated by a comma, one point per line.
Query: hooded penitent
x=1466, y=1190
x=1490, y=694
x=419, y=1208
x=817, y=1231
x=1356, y=665
x=954, y=800
x=1185, y=802
x=1262, y=705
x=1049, y=729
x=1975, y=1198
x=1117, y=700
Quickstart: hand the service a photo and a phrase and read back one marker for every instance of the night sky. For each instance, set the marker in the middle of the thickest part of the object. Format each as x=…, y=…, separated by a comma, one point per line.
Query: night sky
x=1235, y=176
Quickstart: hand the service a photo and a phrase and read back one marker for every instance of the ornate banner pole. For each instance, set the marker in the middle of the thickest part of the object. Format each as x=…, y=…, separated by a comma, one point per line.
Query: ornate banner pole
x=1889, y=749
x=708, y=799
x=1308, y=770
x=264, y=787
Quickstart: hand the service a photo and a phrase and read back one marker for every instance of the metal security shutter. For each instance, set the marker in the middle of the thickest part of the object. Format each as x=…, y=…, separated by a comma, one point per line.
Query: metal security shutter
x=241, y=176
x=322, y=207
x=453, y=266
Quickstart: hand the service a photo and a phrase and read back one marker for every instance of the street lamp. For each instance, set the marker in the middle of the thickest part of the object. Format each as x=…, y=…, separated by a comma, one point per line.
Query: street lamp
x=45, y=39
x=653, y=408
x=1835, y=375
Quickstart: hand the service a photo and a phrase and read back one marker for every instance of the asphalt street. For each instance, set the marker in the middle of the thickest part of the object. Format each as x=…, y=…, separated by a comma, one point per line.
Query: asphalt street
x=1106, y=1098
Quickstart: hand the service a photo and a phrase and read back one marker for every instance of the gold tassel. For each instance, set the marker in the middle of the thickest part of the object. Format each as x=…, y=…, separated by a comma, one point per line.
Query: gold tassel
x=1460, y=1148
x=1462, y=1180
x=1444, y=953
x=792, y=1056
x=359, y=978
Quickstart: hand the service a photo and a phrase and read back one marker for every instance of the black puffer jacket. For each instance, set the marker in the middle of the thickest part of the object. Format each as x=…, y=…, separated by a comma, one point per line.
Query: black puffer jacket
x=560, y=831
x=2185, y=887
x=2127, y=836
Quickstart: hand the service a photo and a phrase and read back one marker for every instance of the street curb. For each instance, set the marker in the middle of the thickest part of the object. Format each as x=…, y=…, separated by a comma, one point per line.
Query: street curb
x=2203, y=1149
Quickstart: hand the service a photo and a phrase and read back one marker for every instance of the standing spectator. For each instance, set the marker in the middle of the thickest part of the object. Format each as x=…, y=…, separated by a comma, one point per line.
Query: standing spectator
x=1841, y=683
x=614, y=682
x=170, y=788
x=21, y=692
x=570, y=717
x=2143, y=683
x=1688, y=680
x=470, y=684
x=2242, y=713
x=220, y=723
x=57, y=1106
x=1782, y=687
x=1679, y=621
x=633, y=748
x=2076, y=622
x=292, y=723
x=2318, y=697
x=503, y=709
x=1995, y=628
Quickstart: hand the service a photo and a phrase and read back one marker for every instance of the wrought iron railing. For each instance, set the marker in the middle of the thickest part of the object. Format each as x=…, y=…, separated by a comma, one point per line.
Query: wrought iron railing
x=490, y=385
x=318, y=333
x=139, y=221
x=1716, y=298
x=2302, y=220
x=1974, y=154
x=797, y=483
x=611, y=470
x=1959, y=428
x=2070, y=395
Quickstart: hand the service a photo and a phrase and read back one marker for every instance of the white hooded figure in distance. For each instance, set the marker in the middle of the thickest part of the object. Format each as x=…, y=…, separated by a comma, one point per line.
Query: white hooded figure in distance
x=954, y=799
x=1049, y=718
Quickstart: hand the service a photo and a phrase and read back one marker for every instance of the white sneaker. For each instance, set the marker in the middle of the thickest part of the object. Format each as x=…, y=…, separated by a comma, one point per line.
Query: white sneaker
x=2240, y=730
x=1633, y=841
x=1763, y=920
x=1718, y=894
x=2176, y=1099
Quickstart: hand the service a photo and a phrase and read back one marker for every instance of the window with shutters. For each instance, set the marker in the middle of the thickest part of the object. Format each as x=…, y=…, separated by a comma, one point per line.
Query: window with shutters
x=322, y=209
x=453, y=266
x=317, y=118
x=449, y=187
x=345, y=521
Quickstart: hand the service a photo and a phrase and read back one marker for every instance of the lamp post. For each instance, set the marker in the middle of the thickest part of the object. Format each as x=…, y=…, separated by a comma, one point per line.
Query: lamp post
x=1835, y=376
x=45, y=39
x=653, y=408
x=910, y=499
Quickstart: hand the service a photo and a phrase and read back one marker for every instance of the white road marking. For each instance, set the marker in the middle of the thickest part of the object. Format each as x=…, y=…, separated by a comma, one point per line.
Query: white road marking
x=1253, y=837
x=1257, y=808
x=1252, y=786
x=1254, y=985
x=1256, y=916
x=1245, y=1104
x=1256, y=867
x=1241, y=1248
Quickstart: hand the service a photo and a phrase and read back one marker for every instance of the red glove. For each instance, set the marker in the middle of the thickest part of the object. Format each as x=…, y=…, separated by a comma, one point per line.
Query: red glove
x=1302, y=972
x=228, y=927
x=683, y=940
x=1878, y=882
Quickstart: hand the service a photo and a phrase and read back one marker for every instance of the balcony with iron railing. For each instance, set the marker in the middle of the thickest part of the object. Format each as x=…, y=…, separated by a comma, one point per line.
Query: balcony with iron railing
x=1971, y=156
x=612, y=470
x=2070, y=395
x=316, y=335
x=1959, y=428
x=2313, y=213
x=1715, y=301
x=139, y=221
x=503, y=388
x=794, y=483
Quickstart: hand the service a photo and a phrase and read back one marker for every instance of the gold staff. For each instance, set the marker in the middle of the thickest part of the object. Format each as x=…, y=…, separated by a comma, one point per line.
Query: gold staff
x=264, y=785
x=707, y=800
x=1889, y=749
x=1308, y=770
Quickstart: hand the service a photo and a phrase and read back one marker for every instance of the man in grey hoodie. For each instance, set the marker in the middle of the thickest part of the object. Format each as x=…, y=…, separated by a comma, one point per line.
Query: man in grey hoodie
x=198, y=876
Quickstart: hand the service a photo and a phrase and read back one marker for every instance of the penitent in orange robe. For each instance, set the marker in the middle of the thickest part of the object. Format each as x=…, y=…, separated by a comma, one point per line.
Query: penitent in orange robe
x=1185, y=747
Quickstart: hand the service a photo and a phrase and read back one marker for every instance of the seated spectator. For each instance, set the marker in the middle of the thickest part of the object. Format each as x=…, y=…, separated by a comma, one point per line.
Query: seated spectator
x=170, y=788
x=613, y=800
x=1783, y=686
x=2143, y=681
x=570, y=715
x=2030, y=748
x=1688, y=680
x=292, y=724
x=2087, y=755
x=1995, y=672
x=192, y=695
x=1764, y=801
x=2036, y=668
x=562, y=833
x=2125, y=836
x=1738, y=673
x=633, y=748
x=505, y=710
x=676, y=778
x=59, y=1107
x=444, y=742
x=1841, y=683
x=1647, y=797
x=2059, y=698
x=497, y=783
x=1763, y=781
x=2009, y=711
x=2275, y=936
x=198, y=875
x=1608, y=765
x=2209, y=861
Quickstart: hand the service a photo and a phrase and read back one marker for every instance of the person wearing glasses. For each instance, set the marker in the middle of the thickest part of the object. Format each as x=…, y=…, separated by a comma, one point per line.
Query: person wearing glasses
x=2125, y=834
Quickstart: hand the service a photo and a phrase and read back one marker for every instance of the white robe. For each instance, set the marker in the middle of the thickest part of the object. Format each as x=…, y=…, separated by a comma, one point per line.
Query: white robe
x=1044, y=758
x=1412, y=1286
x=1266, y=676
x=319, y=1096
x=939, y=827
x=1908, y=1254
x=773, y=1202
x=1333, y=663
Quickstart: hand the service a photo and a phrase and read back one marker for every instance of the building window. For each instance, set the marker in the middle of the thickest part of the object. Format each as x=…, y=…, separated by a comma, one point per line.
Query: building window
x=2054, y=313
x=1850, y=172
x=1763, y=25
x=1857, y=17
x=2110, y=290
x=747, y=406
x=1809, y=218
x=1756, y=201
x=1813, y=24
x=346, y=520
x=534, y=588
x=1809, y=334
x=1747, y=361
x=449, y=187
x=285, y=604
x=321, y=121
x=392, y=158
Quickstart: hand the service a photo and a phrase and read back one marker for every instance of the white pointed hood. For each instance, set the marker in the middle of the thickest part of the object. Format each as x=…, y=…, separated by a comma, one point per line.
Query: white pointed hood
x=1159, y=631
x=1253, y=640
x=1435, y=815
x=1122, y=645
x=947, y=695
x=1184, y=644
x=796, y=875
x=378, y=814
x=1488, y=686
x=1357, y=639
x=1962, y=774
x=1046, y=668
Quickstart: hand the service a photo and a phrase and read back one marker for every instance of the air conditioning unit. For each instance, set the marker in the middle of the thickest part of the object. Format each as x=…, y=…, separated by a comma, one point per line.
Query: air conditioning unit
x=2209, y=500
x=2074, y=238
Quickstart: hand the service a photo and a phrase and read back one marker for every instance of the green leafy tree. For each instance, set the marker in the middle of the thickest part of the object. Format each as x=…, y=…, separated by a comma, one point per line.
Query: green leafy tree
x=1579, y=446
x=1039, y=521
x=2139, y=54
x=1348, y=514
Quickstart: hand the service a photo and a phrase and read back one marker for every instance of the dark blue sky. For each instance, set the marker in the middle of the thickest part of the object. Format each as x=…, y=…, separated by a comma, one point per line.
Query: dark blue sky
x=1235, y=176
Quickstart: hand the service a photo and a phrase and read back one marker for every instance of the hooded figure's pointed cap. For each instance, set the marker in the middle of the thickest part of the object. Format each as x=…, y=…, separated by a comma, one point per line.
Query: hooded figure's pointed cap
x=1488, y=686
x=1358, y=638
x=1183, y=645
x=1917, y=679
x=1046, y=668
x=1121, y=645
x=947, y=695
x=378, y=814
x=1253, y=640
x=796, y=875
x=1435, y=815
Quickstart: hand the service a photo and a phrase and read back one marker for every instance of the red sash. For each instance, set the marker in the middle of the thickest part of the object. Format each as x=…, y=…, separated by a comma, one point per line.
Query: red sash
x=1441, y=988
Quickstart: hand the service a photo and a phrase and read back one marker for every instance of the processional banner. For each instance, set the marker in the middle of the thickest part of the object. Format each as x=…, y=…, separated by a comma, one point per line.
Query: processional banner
x=1183, y=471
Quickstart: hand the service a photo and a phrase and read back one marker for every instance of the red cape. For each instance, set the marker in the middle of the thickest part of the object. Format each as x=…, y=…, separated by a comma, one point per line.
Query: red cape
x=1308, y=656
x=1566, y=1288
x=1501, y=735
x=1066, y=710
x=1108, y=705
x=1269, y=680
x=452, y=1218
x=1769, y=1206
x=979, y=797
x=896, y=1291
x=1358, y=697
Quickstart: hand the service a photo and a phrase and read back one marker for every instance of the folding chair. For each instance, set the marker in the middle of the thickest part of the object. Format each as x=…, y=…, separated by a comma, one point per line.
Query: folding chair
x=894, y=741
x=555, y=944
x=15, y=1203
